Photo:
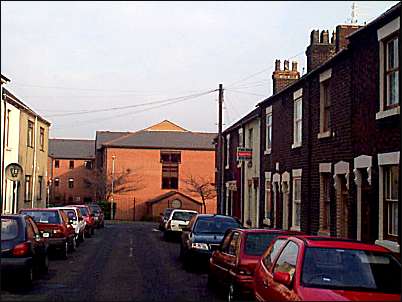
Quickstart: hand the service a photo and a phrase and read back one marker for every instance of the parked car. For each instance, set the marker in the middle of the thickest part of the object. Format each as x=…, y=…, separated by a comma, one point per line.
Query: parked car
x=99, y=217
x=327, y=269
x=76, y=220
x=89, y=218
x=24, y=253
x=232, y=264
x=204, y=235
x=55, y=228
x=163, y=218
x=177, y=219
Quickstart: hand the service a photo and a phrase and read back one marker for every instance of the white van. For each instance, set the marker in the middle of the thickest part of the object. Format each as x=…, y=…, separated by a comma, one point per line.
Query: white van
x=177, y=220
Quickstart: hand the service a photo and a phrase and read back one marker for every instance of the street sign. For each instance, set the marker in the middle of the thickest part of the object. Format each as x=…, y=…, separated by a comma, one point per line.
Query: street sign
x=14, y=172
x=244, y=153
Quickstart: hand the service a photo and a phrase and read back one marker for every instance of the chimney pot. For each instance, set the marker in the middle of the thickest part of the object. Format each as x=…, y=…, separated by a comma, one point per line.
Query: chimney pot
x=314, y=37
x=286, y=65
x=277, y=64
x=324, y=37
x=294, y=65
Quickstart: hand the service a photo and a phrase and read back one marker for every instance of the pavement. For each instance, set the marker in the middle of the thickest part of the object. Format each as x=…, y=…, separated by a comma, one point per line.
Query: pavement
x=122, y=262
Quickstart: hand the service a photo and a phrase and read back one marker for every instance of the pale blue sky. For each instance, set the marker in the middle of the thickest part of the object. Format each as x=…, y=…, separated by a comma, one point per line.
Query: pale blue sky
x=71, y=56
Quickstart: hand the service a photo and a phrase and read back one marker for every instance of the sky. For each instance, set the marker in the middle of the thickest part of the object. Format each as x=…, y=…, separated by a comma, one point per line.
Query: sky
x=124, y=66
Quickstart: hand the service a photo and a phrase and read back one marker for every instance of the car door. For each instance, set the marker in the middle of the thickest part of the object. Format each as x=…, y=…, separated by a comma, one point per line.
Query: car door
x=186, y=233
x=38, y=243
x=229, y=261
x=285, y=262
x=263, y=271
x=69, y=228
x=218, y=257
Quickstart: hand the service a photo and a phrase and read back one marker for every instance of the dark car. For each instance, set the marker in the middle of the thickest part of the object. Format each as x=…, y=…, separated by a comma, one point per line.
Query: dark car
x=99, y=217
x=164, y=218
x=232, y=265
x=55, y=227
x=24, y=253
x=203, y=235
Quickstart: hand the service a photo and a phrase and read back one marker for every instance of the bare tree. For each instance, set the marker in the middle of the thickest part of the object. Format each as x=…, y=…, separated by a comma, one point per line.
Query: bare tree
x=203, y=187
x=124, y=182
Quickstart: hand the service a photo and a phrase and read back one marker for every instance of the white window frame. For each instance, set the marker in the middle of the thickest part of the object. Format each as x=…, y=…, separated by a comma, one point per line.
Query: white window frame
x=227, y=151
x=268, y=130
x=241, y=144
x=268, y=192
x=296, y=176
x=388, y=200
x=382, y=34
x=297, y=120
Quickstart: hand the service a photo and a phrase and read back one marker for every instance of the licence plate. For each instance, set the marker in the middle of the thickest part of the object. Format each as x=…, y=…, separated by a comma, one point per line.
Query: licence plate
x=45, y=235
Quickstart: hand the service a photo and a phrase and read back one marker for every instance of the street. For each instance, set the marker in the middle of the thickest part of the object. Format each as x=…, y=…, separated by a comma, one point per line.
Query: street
x=122, y=262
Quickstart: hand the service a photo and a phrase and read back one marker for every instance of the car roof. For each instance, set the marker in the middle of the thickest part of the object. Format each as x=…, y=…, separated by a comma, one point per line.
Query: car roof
x=271, y=231
x=13, y=215
x=39, y=209
x=65, y=208
x=215, y=215
x=332, y=242
x=182, y=210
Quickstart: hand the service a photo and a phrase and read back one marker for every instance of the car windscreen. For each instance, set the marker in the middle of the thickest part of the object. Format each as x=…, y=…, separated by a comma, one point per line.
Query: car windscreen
x=95, y=209
x=348, y=269
x=84, y=211
x=9, y=228
x=71, y=214
x=51, y=217
x=257, y=243
x=184, y=216
x=214, y=225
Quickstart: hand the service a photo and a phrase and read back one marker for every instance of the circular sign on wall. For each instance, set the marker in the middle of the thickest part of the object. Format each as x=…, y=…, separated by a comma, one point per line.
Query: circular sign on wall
x=176, y=203
x=13, y=172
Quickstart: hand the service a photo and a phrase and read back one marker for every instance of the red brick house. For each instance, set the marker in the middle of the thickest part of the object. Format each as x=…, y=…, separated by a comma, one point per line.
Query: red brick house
x=157, y=160
x=71, y=171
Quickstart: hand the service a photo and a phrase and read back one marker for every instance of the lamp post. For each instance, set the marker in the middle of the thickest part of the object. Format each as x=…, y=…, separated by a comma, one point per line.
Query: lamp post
x=111, y=210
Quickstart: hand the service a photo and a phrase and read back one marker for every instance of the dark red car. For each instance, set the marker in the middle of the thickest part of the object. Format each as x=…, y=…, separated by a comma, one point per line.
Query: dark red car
x=315, y=268
x=233, y=264
x=55, y=228
x=89, y=218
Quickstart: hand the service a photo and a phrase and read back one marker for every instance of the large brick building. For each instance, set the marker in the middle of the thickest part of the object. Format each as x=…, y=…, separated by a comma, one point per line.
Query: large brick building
x=330, y=141
x=148, y=164
x=71, y=171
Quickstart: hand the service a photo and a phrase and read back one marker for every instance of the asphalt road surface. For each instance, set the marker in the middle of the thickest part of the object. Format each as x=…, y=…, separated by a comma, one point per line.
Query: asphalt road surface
x=122, y=262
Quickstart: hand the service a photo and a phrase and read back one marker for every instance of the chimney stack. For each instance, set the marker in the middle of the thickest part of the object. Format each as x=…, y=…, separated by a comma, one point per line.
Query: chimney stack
x=283, y=78
x=319, y=50
x=342, y=31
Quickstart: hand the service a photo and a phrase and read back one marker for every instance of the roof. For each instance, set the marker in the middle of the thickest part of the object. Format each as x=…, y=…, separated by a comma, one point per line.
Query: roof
x=71, y=148
x=12, y=99
x=4, y=79
x=165, y=126
x=169, y=194
x=158, y=140
x=106, y=136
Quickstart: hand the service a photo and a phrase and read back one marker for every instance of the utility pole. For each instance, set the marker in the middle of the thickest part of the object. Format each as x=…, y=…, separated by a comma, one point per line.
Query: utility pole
x=111, y=210
x=220, y=204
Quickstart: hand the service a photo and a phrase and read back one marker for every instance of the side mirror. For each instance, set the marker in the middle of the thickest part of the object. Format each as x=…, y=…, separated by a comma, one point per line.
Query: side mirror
x=283, y=278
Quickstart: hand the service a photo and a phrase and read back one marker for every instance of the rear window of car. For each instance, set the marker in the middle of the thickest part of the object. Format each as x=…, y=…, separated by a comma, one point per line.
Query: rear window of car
x=95, y=208
x=70, y=214
x=167, y=212
x=257, y=243
x=84, y=211
x=51, y=217
x=9, y=228
x=347, y=269
x=184, y=216
x=215, y=225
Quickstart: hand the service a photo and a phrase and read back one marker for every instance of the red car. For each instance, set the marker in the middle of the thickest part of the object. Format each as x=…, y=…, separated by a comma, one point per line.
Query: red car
x=315, y=268
x=234, y=262
x=89, y=217
x=55, y=228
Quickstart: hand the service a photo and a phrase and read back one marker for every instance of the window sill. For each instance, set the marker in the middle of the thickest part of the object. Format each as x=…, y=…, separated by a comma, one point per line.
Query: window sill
x=9, y=149
x=391, y=245
x=296, y=145
x=266, y=221
x=295, y=228
x=324, y=233
x=387, y=113
x=266, y=152
x=324, y=134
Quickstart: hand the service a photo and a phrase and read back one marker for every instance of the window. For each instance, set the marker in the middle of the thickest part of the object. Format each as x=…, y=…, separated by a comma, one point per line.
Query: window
x=297, y=122
x=325, y=202
x=7, y=126
x=28, y=188
x=234, y=244
x=268, y=122
x=287, y=259
x=170, y=169
x=56, y=163
x=88, y=164
x=240, y=137
x=250, y=138
x=227, y=151
x=40, y=181
x=256, y=243
x=296, y=202
x=56, y=182
x=268, y=201
x=391, y=73
x=268, y=260
x=71, y=164
x=71, y=183
x=42, y=139
x=30, y=134
x=391, y=183
x=325, y=107
x=170, y=157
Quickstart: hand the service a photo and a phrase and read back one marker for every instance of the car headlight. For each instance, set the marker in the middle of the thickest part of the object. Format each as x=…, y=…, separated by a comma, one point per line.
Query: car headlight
x=200, y=246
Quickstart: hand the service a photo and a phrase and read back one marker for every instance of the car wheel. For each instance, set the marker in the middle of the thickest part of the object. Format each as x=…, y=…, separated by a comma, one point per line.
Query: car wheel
x=232, y=293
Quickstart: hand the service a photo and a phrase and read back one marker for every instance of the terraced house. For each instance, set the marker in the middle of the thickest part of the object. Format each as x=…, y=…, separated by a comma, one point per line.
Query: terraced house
x=329, y=157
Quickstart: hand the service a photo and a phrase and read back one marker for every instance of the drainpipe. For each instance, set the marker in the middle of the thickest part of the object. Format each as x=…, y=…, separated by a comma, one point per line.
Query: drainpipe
x=3, y=181
x=34, y=163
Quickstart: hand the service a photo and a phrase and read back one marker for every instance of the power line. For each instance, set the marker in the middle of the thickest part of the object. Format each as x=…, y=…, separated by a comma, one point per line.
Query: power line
x=244, y=92
x=132, y=106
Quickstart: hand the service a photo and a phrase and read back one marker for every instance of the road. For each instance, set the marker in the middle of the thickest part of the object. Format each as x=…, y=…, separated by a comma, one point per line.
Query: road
x=122, y=262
